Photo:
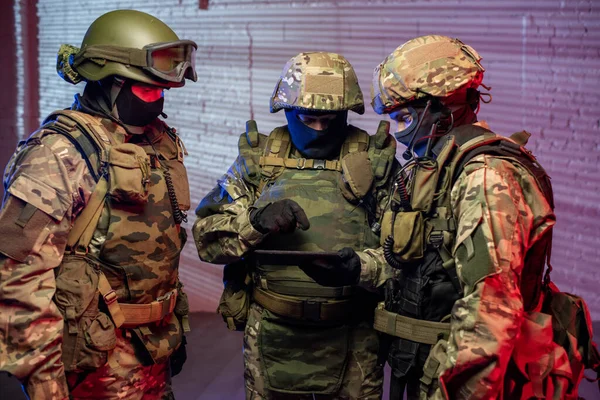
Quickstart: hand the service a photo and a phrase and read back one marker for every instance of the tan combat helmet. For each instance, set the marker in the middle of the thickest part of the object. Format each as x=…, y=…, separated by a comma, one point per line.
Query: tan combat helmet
x=428, y=65
x=130, y=44
x=318, y=81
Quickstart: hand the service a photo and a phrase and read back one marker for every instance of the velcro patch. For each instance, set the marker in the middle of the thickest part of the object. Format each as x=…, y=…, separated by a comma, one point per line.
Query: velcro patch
x=40, y=195
x=318, y=81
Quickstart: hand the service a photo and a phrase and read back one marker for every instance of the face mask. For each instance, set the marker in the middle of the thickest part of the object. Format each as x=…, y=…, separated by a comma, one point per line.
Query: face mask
x=318, y=144
x=415, y=130
x=138, y=105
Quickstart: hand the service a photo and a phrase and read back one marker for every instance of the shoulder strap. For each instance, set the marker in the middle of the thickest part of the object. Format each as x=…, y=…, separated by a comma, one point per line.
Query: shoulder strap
x=250, y=146
x=83, y=229
x=86, y=133
x=93, y=141
x=357, y=140
x=276, y=150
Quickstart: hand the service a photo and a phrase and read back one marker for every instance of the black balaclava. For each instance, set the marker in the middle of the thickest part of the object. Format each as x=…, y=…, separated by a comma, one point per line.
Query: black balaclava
x=135, y=111
x=96, y=98
x=319, y=144
x=455, y=111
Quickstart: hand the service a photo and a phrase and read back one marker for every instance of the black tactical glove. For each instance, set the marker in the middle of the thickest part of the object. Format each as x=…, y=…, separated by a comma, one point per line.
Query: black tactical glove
x=344, y=272
x=282, y=216
x=178, y=358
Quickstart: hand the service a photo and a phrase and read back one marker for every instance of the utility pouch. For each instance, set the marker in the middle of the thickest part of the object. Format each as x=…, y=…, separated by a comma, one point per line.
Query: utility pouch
x=408, y=233
x=129, y=170
x=89, y=333
x=234, y=304
x=319, y=354
x=152, y=337
x=425, y=185
x=357, y=176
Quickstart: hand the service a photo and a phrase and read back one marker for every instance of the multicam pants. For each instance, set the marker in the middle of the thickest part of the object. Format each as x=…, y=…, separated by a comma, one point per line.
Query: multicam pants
x=123, y=377
x=363, y=378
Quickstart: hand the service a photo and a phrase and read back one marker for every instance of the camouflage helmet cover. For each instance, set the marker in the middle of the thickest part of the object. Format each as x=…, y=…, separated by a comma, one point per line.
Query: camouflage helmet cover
x=428, y=65
x=123, y=29
x=318, y=81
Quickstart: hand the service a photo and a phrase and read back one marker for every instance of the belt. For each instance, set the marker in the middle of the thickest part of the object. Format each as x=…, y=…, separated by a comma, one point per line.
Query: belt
x=417, y=330
x=134, y=315
x=311, y=310
x=303, y=291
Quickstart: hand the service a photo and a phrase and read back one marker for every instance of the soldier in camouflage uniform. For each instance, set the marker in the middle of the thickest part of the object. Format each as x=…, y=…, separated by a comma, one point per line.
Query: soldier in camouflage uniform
x=469, y=208
x=90, y=300
x=314, y=185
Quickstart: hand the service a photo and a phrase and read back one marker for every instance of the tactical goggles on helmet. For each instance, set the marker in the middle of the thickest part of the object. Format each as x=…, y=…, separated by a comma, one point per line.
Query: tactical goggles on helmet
x=172, y=61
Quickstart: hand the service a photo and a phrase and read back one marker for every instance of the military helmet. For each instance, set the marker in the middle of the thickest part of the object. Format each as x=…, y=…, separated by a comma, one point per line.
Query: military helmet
x=318, y=81
x=430, y=65
x=130, y=44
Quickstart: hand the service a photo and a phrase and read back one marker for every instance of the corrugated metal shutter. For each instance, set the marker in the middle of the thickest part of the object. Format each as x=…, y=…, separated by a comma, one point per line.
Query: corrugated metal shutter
x=542, y=59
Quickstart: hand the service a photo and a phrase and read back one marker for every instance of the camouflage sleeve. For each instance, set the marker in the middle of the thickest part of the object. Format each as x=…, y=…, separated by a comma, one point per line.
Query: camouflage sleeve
x=223, y=232
x=500, y=213
x=54, y=179
x=374, y=270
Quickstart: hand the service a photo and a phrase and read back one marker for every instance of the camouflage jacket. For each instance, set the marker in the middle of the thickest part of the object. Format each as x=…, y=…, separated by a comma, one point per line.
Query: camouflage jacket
x=502, y=199
x=54, y=178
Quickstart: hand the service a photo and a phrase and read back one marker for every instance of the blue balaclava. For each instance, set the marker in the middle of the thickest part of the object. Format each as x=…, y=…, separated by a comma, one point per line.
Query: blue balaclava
x=318, y=144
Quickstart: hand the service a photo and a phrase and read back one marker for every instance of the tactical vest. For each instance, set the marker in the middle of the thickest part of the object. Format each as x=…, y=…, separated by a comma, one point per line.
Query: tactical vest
x=429, y=228
x=337, y=196
x=126, y=242
x=421, y=230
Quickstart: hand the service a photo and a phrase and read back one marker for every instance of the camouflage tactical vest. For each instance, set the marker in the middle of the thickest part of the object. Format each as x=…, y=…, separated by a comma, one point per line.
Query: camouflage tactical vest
x=126, y=242
x=300, y=317
x=338, y=217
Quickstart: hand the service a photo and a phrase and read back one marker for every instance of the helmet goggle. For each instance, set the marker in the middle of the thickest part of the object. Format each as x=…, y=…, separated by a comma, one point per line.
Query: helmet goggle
x=172, y=61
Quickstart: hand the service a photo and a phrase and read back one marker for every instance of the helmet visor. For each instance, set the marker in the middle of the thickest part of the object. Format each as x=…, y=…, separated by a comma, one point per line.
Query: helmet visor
x=172, y=61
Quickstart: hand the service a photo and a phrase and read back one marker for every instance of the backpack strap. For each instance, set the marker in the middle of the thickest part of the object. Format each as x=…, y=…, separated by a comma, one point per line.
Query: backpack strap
x=83, y=229
x=92, y=139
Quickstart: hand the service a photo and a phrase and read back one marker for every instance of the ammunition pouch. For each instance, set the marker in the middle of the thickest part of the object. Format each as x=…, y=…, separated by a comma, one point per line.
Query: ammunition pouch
x=407, y=229
x=356, y=179
x=234, y=304
x=89, y=333
x=233, y=307
x=280, y=337
x=129, y=171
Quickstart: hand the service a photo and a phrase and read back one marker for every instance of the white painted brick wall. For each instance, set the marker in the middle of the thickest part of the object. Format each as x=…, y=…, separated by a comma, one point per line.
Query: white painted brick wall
x=542, y=57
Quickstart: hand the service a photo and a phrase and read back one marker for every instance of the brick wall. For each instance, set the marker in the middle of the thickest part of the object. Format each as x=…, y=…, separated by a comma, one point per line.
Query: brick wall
x=542, y=59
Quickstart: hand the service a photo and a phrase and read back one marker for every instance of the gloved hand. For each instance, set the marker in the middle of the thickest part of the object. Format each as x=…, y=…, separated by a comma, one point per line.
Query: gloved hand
x=344, y=272
x=281, y=216
x=178, y=358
